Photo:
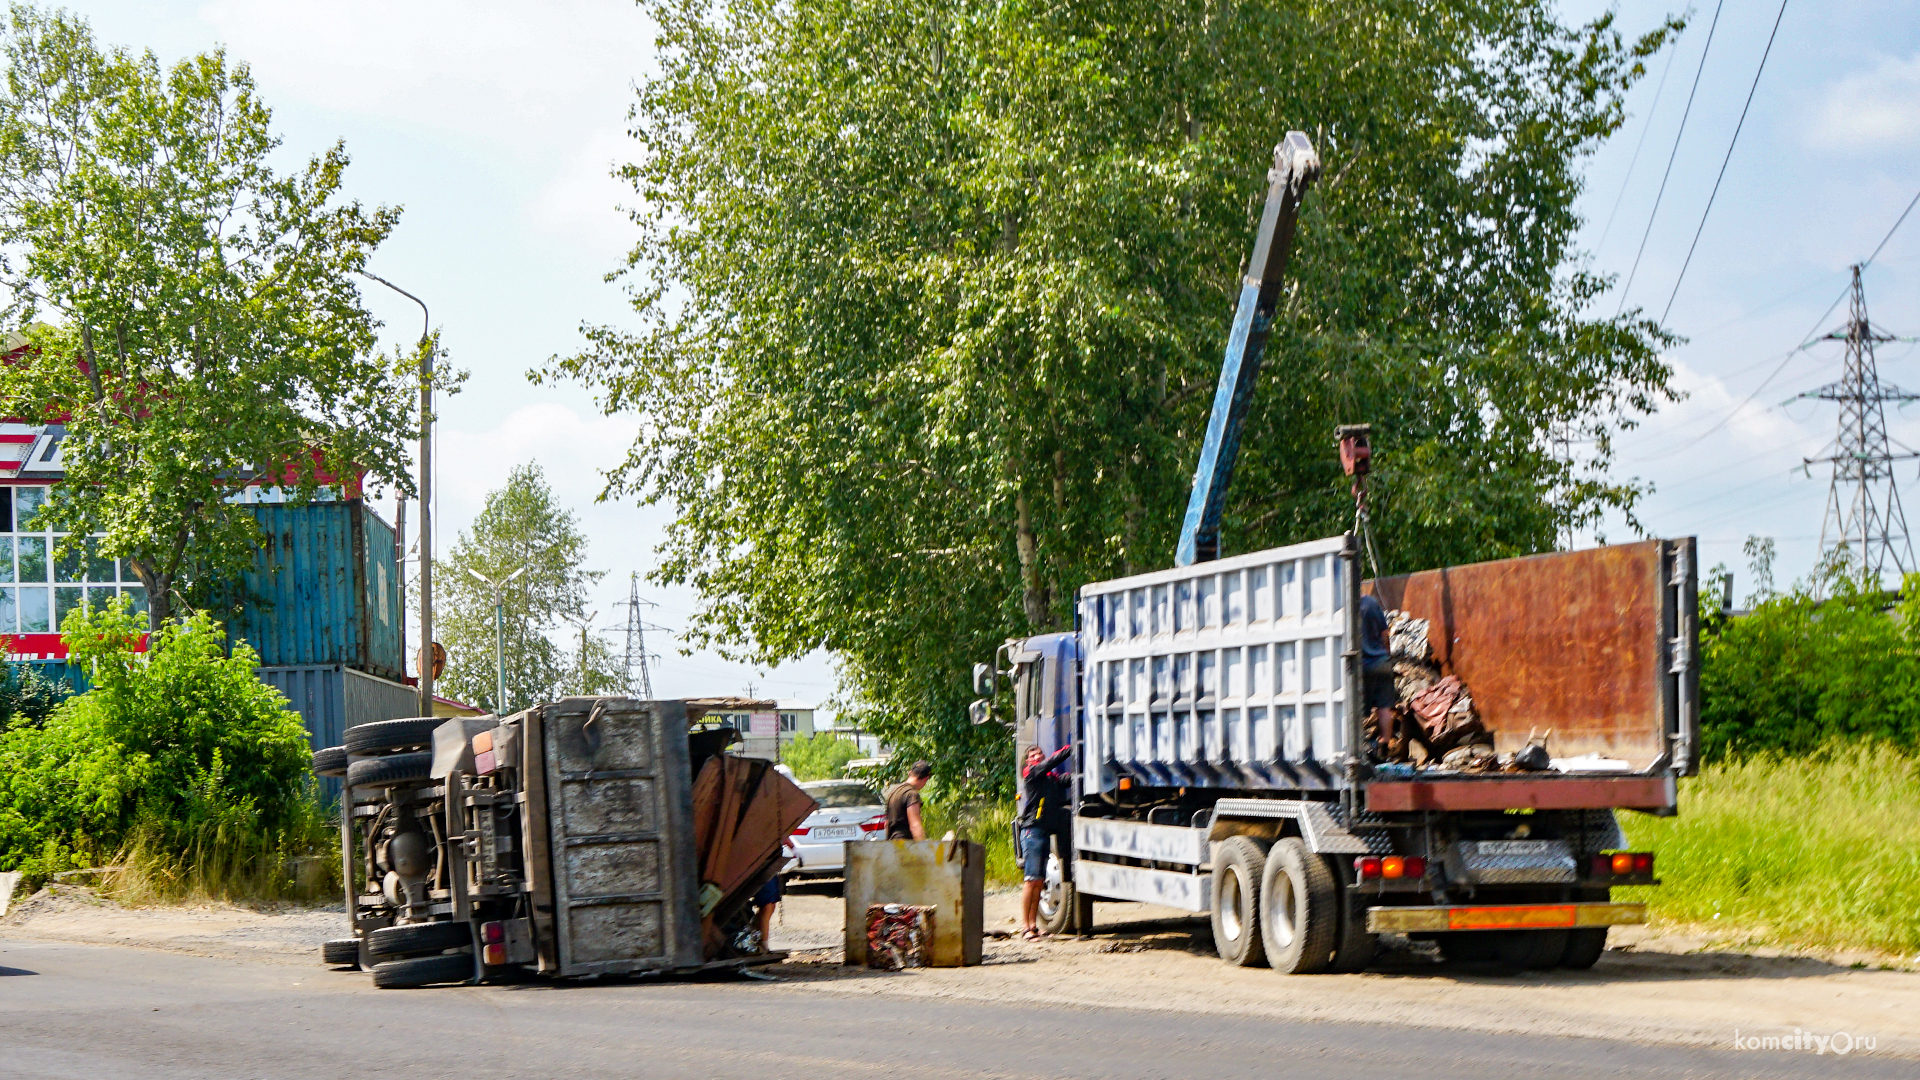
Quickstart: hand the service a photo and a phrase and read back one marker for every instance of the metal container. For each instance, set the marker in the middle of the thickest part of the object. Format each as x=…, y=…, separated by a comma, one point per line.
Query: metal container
x=331, y=698
x=324, y=590
x=1223, y=674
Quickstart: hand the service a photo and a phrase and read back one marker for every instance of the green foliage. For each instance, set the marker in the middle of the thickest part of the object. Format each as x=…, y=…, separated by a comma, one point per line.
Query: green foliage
x=933, y=299
x=1800, y=671
x=986, y=821
x=820, y=756
x=206, y=318
x=1822, y=849
x=180, y=756
x=28, y=698
x=519, y=527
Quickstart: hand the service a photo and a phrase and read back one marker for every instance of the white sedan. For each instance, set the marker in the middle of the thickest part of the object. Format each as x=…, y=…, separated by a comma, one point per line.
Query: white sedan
x=849, y=810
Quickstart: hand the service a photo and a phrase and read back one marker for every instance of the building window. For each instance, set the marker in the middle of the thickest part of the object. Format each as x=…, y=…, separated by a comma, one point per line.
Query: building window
x=789, y=723
x=38, y=589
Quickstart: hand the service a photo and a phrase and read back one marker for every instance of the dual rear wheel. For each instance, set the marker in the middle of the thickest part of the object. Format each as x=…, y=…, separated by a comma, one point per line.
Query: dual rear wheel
x=1282, y=906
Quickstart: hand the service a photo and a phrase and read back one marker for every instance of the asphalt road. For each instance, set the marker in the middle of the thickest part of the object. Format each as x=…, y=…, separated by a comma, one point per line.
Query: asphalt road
x=105, y=1013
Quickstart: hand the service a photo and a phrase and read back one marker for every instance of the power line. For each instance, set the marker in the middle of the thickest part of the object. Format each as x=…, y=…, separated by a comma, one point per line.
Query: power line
x=1702, y=227
x=1645, y=130
x=1890, y=232
x=1674, y=153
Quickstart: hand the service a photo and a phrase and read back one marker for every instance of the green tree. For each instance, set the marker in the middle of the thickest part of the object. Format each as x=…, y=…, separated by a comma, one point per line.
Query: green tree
x=206, y=323
x=820, y=756
x=933, y=298
x=519, y=527
x=180, y=748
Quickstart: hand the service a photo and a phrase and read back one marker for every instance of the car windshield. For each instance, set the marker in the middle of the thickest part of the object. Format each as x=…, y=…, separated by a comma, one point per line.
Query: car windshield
x=839, y=796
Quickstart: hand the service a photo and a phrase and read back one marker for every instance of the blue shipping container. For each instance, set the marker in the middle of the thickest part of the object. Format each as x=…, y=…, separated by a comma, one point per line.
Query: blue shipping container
x=332, y=698
x=324, y=590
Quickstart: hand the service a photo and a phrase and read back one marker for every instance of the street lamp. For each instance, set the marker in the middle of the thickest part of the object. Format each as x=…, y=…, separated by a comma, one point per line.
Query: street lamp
x=426, y=494
x=499, y=632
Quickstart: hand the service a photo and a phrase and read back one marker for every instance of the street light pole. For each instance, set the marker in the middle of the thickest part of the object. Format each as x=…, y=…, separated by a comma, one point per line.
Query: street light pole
x=426, y=494
x=499, y=634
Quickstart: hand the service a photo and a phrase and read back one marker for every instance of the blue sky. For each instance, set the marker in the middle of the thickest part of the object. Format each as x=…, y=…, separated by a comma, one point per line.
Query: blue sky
x=494, y=124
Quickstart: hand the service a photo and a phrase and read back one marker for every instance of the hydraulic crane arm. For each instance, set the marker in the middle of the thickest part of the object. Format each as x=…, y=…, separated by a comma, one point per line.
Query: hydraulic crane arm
x=1295, y=165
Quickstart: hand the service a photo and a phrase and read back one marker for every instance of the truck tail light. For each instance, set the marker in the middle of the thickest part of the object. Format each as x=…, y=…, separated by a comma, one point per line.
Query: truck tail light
x=1416, y=866
x=1622, y=864
x=875, y=824
x=493, y=933
x=1367, y=867
x=1393, y=867
x=1643, y=862
x=494, y=955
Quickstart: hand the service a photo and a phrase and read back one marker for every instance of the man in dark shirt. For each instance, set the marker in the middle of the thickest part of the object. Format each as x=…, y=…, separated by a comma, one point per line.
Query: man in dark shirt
x=1377, y=679
x=903, y=804
x=1045, y=810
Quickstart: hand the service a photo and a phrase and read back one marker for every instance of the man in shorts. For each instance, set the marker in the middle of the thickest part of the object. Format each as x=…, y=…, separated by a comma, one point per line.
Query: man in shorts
x=1045, y=811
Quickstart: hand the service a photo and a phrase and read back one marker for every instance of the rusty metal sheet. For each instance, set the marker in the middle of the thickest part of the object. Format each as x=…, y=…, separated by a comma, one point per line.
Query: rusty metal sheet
x=1517, y=792
x=1571, y=641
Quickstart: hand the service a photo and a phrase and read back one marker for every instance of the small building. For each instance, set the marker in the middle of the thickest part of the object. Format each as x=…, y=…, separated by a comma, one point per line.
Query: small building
x=765, y=725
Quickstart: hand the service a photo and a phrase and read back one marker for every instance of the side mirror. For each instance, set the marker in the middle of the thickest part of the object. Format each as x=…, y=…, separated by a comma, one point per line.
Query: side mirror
x=983, y=680
x=980, y=711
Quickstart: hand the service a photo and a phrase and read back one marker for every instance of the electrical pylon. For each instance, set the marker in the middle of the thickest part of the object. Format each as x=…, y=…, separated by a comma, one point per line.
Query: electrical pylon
x=1863, y=502
x=637, y=643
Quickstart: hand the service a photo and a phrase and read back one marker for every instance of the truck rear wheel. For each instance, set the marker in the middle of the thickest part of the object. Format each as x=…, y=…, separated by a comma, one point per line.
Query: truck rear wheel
x=423, y=971
x=387, y=736
x=1584, y=947
x=1058, y=898
x=411, y=939
x=1238, y=865
x=1299, y=909
x=341, y=952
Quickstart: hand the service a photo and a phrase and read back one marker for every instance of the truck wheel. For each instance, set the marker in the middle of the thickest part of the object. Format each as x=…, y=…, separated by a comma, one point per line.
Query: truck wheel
x=1299, y=909
x=388, y=771
x=423, y=971
x=1237, y=866
x=412, y=939
x=387, y=736
x=1469, y=946
x=330, y=762
x=341, y=952
x=1584, y=947
x=1354, y=948
x=1531, y=950
x=1057, y=898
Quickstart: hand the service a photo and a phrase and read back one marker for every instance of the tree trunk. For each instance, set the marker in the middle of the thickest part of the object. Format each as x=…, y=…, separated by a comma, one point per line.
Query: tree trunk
x=1033, y=593
x=159, y=586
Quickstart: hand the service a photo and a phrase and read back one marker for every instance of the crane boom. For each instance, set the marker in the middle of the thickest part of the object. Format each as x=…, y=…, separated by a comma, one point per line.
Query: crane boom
x=1295, y=165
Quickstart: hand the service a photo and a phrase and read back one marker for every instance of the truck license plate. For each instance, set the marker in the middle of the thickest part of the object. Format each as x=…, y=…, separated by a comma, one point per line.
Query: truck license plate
x=842, y=833
x=1513, y=847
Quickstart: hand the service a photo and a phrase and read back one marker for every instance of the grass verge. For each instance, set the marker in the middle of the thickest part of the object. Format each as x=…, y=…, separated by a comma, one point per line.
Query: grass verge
x=989, y=823
x=227, y=858
x=1820, y=851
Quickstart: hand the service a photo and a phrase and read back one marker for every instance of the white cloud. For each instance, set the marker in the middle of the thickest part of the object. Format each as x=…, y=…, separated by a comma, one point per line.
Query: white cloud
x=1873, y=110
x=521, y=75
x=582, y=202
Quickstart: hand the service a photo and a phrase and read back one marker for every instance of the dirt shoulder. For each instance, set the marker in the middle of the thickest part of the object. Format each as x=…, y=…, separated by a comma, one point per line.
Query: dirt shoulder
x=1651, y=987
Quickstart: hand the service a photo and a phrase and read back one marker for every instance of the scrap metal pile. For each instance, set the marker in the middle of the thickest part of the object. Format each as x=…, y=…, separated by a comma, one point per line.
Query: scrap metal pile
x=1437, y=710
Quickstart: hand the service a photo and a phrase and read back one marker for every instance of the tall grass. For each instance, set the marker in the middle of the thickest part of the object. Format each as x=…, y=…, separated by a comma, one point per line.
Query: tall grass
x=1822, y=850
x=226, y=856
x=989, y=823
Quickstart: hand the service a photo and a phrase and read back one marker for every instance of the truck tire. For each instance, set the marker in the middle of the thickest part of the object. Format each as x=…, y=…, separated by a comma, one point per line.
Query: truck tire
x=1353, y=947
x=1584, y=948
x=1469, y=946
x=1059, y=900
x=389, y=736
x=413, y=939
x=1299, y=909
x=341, y=952
x=423, y=971
x=330, y=762
x=1531, y=950
x=1237, y=867
x=377, y=772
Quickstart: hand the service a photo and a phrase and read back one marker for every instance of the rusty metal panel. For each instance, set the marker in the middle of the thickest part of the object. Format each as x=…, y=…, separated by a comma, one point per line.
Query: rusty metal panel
x=620, y=810
x=1577, y=641
x=1521, y=792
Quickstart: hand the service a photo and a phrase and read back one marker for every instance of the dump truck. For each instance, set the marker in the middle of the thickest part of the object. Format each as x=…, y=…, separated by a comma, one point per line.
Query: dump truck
x=587, y=836
x=1221, y=761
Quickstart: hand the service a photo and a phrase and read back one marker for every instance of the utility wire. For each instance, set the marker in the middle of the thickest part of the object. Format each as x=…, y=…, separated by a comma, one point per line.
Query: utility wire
x=1645, y=130
x=1675, y=152
x=1890, y=232
x=1702, y=227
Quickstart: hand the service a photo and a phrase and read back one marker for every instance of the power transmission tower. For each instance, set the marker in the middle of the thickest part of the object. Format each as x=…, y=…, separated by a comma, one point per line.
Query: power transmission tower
x=1863, y=503
x=637, y=642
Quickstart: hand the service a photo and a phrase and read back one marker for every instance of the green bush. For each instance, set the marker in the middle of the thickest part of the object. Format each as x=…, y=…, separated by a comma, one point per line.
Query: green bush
x=1799, y=672
x=1817, y=850
x=988, y=822
x=28, y=698
x=820, y=756
x=178, y=761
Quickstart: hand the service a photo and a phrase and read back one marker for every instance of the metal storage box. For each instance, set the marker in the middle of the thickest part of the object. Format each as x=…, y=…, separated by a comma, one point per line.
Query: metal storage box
x=325, y=589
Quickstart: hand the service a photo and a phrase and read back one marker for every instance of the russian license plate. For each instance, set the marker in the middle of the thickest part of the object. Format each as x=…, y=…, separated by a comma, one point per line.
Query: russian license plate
x=834, y=833
x=1514, y=847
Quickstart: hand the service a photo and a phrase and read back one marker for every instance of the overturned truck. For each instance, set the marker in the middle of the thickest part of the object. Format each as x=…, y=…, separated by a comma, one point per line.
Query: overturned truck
x=1223, y=762
x=589, y=836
